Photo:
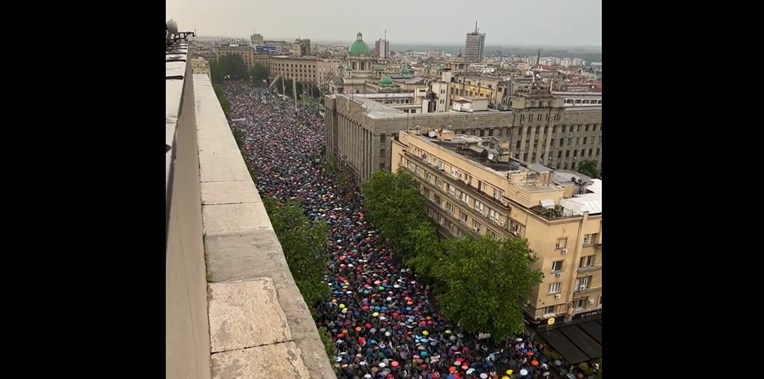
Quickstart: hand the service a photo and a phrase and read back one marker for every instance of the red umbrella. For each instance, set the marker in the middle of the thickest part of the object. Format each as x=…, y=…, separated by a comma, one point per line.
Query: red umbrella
x=535, y=363
x=394, y=364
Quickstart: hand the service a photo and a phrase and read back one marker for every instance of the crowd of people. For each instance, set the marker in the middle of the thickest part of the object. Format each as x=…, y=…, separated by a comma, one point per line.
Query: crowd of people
x=380, y=316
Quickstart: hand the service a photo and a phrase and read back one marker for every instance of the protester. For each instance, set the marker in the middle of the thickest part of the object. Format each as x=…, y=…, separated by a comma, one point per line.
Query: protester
x=380, y=317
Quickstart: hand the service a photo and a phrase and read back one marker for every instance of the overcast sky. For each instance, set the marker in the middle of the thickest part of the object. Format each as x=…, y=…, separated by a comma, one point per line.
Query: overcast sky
x=505, y=22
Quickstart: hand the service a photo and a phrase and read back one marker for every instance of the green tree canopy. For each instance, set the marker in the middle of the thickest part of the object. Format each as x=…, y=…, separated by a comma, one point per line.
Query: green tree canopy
x=304, y=244
x=222, y=100
x=259, y=73
x=589, y=168
x=485, y=283
x=228, y=65
x=395, y=206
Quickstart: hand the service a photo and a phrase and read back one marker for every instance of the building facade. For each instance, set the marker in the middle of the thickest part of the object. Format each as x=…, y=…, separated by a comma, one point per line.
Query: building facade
x=299, y=69
x=539, y=128
x=301, y=47
x=470, y=192
x=199, y=65
x=474, y=43
x=382, y=49
x=246, y=52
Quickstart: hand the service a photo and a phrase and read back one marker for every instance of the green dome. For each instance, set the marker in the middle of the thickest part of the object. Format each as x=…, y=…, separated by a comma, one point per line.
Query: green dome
x=378, y=67
x=359, y=48
x=386, y=81
x=405, y=71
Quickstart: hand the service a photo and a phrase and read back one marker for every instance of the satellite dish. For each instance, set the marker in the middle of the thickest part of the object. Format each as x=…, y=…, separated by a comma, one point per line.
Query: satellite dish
x=432, y=133
x=491, y=157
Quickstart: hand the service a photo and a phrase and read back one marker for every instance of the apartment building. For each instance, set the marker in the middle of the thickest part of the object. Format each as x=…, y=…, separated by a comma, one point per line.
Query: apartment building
x=474, y=44
x=474, y=187
x=246, y=52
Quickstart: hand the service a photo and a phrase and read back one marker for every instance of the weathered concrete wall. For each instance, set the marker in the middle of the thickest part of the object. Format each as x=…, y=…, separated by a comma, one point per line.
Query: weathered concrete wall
x=187, y=335
x=260, y=327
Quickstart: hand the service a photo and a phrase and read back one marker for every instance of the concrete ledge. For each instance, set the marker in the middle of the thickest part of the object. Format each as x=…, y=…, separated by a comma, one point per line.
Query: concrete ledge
x=281, y=360
x=259, y=324
x=245, y=314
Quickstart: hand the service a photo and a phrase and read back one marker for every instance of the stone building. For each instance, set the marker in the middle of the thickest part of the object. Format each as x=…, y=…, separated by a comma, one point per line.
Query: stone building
x=539, y=128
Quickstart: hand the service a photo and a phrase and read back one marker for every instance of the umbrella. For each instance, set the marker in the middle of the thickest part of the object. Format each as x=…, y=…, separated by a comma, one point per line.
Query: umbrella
x=394, y=364
x=484, y=375
x=509, y=372
x=524, y=372
x=535, y=363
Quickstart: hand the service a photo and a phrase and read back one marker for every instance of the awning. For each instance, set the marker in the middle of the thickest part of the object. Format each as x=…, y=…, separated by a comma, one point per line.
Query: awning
x=577, y=343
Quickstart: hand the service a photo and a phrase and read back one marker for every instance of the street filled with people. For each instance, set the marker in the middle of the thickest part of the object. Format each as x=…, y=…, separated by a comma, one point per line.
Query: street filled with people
x=380, y=317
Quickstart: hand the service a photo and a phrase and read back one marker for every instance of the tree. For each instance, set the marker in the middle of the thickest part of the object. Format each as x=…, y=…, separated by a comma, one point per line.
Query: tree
x=485, y=283
x=395, y=206
x=231, y=66
x=259, y=73
x=589, y=168
x=222, y=100
x=304, y=244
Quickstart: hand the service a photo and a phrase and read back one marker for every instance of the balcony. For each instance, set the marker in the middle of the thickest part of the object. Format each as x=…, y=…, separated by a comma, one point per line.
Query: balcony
x=232, y=307
x=588, y=268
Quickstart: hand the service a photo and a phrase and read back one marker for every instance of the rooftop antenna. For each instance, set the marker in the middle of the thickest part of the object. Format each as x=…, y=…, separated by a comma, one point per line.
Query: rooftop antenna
x=386, y=35
x=476, y=27
x=538, y=54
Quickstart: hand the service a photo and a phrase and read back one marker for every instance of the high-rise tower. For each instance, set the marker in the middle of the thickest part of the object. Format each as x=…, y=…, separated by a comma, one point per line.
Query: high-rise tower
x=474, y=45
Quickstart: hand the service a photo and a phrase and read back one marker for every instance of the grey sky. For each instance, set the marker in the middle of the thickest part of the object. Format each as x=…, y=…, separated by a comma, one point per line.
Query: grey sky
x=505, y=22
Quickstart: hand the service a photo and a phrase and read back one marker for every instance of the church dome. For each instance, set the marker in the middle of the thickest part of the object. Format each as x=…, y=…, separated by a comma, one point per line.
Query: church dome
x=386, y=82
x=405, y=71
x=358, y=48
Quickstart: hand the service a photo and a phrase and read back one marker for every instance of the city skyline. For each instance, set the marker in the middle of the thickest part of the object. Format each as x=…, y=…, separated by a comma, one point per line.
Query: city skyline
x=510, y=23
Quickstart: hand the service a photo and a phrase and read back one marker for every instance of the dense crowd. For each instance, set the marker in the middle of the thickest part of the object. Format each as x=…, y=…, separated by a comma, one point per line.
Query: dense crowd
x=380, y=316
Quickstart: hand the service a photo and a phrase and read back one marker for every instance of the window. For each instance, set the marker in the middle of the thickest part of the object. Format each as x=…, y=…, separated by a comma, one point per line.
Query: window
x=478, y=206
x=557, y=266
x=561, y=244
x=450, y=207
x=581, y=303
x=455, y=172
x=569, y=141
x=571, y=129
x=437, y=200
x=582, y=283
x=491, y=234
x=518, y=145
x=463, y=216
x=480, y=185
x=464, y=197
x=539, y=117
x=451, y=189
x=573, y=165
x=498, y=194
x=589, y=152
x=560, y=153
x=550, y=309
x=590, y=239
x=600, y=300
x=476, y=227
x=575, y=152
x=382, y=152
x=439, y=183
x=586, y=128
x=567, y=153
x=427, y=193
x=587, y=261
x=554, y=288
x=494, y=215
x=561, y=142
x=579, y=128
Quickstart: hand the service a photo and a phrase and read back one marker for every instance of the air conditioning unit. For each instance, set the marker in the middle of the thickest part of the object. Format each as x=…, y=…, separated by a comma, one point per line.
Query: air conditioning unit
x=557, y=275
x=564, y=251
x=557, y=296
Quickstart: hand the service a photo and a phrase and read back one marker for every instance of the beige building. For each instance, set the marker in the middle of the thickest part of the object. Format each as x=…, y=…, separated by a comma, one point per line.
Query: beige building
x=474, y=187
x=539, y=129
x=246, y=52
x=301, y=47
x=200, y=65
x=301, y=70
x=326, y=69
